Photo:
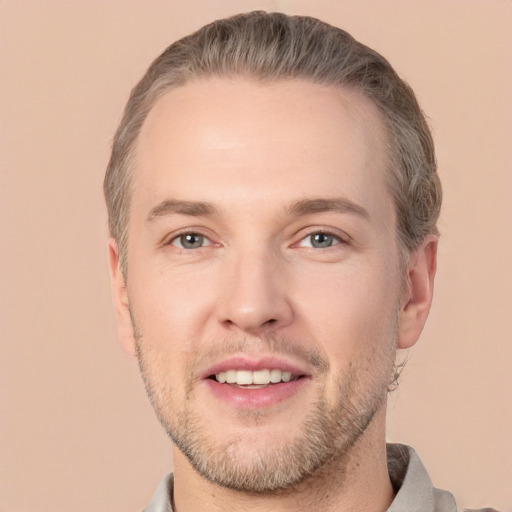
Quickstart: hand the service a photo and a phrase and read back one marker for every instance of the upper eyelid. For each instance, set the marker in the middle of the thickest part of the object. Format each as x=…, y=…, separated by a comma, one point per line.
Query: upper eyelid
x=300, y=235
x=305, y=232
x=339, y=239
x=171, y=237
x=174, y=241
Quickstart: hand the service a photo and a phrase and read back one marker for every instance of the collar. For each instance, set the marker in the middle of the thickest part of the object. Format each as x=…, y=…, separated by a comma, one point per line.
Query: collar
x=413, y=487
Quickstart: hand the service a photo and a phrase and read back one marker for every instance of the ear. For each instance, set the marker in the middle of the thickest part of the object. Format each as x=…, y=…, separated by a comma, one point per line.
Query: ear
x=418, y=291
x=120, y=300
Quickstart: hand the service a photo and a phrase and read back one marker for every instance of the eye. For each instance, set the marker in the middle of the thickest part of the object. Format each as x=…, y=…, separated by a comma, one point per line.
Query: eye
x=190, y=241
x=320, y=240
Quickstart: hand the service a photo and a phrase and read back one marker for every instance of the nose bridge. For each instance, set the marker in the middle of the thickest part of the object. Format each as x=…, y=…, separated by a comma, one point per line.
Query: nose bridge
x=255, y=297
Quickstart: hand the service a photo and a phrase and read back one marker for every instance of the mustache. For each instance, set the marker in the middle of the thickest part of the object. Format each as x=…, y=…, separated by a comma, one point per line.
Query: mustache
x=270, y=343
x=267, y=344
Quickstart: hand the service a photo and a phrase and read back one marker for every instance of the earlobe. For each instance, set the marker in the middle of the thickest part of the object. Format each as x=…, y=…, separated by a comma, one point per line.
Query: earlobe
x=120, y=300
x=418, y=291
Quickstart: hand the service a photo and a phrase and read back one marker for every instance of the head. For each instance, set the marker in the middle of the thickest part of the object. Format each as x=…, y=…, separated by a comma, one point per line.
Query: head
x=269, y=47
x=272, y=198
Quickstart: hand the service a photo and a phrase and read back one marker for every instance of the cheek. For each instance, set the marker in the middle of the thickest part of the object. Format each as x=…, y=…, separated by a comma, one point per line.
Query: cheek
x=353, y=319
x=349, y=310
x=173, y=312
x=171, y=307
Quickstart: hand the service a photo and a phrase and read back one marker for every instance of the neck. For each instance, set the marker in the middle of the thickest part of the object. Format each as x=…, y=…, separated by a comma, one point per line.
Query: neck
x=357, y=481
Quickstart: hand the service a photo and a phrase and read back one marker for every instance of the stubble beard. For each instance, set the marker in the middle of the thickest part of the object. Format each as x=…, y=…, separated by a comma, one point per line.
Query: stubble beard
x=327, y=433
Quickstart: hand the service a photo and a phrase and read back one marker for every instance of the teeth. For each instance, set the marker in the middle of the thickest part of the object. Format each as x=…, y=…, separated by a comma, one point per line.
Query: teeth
x=275, y=376
x=230, y=376
x=247, y=378
x=244, y=378
x=286, y=377
x=261, y=377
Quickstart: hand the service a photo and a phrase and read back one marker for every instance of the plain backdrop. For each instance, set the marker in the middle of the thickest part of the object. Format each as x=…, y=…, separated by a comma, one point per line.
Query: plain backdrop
x=76, y=431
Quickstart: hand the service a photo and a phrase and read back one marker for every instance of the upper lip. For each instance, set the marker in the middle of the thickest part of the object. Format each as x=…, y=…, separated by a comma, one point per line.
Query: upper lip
x=254, y=364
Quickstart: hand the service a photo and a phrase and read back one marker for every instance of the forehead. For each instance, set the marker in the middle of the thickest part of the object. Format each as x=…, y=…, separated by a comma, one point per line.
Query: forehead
x=225, y=139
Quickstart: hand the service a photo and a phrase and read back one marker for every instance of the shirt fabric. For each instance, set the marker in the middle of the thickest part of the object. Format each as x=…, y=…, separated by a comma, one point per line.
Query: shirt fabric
x=413, y=487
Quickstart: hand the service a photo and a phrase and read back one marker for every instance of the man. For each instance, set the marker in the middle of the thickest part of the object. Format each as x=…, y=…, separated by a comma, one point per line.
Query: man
x=273, y=199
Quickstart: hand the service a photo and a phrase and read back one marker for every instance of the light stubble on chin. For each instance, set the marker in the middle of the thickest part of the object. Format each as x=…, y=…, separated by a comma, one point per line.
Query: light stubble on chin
x=325, y=434
x=328, y=432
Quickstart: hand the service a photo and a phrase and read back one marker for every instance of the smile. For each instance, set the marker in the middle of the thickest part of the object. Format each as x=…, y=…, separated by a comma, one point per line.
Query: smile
x=246, y=382
x=259, y=378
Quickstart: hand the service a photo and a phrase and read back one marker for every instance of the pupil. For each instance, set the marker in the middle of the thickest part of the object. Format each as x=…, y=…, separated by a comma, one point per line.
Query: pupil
x=321, y=240
x=191, y=241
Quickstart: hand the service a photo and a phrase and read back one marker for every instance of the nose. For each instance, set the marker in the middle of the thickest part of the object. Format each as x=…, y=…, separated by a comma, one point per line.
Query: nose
x=254, y=296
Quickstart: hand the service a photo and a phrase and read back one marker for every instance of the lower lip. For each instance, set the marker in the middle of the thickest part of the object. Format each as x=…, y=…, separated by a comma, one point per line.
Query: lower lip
x=247, y=398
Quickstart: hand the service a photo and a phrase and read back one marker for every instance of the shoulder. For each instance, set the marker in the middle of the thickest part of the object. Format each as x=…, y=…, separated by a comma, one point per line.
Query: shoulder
x=413, y=486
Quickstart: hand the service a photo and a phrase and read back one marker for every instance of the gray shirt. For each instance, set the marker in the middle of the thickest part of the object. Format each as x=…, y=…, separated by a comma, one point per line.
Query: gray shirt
x=413, y=487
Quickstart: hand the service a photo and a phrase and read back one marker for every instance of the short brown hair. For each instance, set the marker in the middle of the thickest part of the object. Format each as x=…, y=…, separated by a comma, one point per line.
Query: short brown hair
x=274, y=46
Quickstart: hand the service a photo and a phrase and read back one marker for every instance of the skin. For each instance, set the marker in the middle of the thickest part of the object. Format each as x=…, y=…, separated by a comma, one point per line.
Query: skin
x=258, y=287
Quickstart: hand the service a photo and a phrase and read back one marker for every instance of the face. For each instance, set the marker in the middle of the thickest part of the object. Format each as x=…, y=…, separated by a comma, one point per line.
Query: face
x=263, y=290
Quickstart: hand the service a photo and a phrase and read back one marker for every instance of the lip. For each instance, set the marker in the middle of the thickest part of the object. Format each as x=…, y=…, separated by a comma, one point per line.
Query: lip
x=260, y=398
x=240, y=397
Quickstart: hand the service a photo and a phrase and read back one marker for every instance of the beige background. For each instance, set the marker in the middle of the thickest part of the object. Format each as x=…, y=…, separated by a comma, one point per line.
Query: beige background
x=76, y=432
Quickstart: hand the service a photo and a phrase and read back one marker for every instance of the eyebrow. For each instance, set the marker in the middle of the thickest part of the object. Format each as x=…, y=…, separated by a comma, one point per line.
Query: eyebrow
x=173, y=206
x=339, y=205
x=299, y=208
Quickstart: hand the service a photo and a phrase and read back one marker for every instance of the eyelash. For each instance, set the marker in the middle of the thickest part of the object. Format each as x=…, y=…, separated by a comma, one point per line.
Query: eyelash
x=335, y=240
x=173, y=241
